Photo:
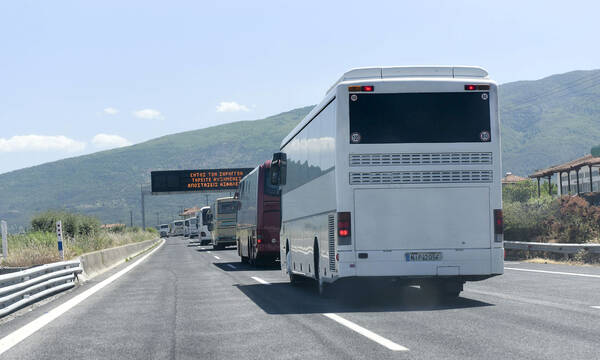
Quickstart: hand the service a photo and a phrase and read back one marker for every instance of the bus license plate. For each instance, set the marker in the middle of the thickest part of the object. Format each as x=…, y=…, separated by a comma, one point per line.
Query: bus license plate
x=424, y=256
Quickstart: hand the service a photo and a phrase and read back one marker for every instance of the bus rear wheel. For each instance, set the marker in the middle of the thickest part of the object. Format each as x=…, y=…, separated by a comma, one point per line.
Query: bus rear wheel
x=442, y=289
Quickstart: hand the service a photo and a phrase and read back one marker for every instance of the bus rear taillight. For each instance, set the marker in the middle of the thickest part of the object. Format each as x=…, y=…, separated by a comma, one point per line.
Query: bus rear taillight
x=498, y=225
x=366, y=88
x=343, y=228
x=471, y=87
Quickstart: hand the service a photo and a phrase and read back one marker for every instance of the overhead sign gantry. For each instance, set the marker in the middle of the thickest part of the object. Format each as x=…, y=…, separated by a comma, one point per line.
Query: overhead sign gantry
x=167, y=182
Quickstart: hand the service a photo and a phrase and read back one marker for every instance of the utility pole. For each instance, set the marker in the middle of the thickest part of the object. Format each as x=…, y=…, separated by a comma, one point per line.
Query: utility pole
x=157, y=219
x=131, y=218
x=143, y=209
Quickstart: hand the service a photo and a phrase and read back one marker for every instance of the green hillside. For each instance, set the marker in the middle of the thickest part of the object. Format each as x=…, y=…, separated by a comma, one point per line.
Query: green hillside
x=549, y=121
x=544, y=122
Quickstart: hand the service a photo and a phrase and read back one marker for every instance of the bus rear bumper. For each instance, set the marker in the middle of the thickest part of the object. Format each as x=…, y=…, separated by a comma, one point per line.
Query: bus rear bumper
x=468, y=264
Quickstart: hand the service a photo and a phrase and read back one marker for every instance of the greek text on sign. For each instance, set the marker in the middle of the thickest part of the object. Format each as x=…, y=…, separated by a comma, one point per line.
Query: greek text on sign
x=197, y=180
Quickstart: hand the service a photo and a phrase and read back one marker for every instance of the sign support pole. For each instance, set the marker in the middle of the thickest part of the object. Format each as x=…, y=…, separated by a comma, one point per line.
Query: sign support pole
x=4, y=239
x=143, y=209
x=59, y=235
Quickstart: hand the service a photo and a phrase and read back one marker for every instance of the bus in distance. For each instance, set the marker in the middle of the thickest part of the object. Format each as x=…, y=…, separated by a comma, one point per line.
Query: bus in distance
x=258, y=217
x=223, y=222
x=186, y=228
x=395, y=175
x=193, y=227
x=176, y=228
x=202, y=220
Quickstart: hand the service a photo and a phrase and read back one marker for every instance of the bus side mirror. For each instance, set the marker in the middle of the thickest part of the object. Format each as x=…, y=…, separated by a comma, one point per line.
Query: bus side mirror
x=279, y=169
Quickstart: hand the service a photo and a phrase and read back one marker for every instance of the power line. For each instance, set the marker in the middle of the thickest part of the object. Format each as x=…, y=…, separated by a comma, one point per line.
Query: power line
x=563, y=89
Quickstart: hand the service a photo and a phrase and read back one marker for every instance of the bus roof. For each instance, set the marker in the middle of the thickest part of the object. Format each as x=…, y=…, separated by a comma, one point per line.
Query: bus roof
x=387, y=72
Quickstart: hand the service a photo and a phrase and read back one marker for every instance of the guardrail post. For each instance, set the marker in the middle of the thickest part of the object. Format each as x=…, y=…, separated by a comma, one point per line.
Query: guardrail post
x=59, y=235
x=4, y=239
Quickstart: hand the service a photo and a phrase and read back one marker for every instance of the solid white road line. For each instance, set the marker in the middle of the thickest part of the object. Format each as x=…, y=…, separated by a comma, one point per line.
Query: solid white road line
x=231, y=266
x=261, y=280
x=595, y=307
x=554, y=272
x=216, y=257
x=21, y=334
x=366, y=333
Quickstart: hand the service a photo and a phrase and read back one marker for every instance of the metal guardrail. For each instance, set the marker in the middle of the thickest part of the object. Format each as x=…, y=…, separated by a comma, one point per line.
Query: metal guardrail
x=24, y=287
x=555, y=248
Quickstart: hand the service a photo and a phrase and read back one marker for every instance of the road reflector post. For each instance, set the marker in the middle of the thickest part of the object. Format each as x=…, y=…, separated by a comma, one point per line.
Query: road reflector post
x=4, y=239
x=59, y=235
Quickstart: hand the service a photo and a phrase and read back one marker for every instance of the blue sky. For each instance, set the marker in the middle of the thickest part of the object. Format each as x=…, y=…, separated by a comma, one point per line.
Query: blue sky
x=79, y=76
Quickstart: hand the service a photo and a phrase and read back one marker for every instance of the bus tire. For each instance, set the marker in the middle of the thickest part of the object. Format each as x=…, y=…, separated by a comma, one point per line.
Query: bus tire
x=250, y=259
x=321, y=287
x=288, y=264
x=442, y=290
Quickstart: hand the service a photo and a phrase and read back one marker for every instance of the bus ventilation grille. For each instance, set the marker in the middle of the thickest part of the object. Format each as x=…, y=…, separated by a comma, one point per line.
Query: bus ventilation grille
x=420, y=177
x=331, y=234
x=446, y=158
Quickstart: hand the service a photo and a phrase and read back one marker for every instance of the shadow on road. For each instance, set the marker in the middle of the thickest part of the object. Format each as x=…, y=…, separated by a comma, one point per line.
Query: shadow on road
x=283, y=298
x=239, y=266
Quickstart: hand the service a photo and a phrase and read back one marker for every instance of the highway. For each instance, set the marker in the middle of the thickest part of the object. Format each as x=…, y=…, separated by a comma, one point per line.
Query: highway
x=190, y=302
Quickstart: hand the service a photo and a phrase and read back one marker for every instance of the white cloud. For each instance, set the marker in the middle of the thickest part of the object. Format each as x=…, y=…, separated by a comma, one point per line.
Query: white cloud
x=231, y=106
x=40, y=143
x=109, y=141
x=111, y=111
x=147, y=114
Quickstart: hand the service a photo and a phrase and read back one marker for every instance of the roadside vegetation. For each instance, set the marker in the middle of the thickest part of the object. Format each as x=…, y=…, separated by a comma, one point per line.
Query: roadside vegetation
x=81, y=234
x=566, y=219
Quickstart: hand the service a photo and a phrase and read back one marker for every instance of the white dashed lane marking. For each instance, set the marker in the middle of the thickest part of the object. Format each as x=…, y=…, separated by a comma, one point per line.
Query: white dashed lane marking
x=366, y=333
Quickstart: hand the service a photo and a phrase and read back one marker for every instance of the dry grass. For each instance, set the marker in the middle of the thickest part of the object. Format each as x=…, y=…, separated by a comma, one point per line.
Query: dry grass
x=36, y=248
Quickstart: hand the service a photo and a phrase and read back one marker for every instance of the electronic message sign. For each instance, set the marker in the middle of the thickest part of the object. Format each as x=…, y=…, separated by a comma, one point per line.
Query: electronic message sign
x=197, y=180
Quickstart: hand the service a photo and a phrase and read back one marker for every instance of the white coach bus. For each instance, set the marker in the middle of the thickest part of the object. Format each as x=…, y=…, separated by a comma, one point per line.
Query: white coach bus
x=395, y=175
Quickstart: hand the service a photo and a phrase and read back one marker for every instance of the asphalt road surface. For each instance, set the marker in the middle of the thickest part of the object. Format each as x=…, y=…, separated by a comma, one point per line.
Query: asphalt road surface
x=191, y=302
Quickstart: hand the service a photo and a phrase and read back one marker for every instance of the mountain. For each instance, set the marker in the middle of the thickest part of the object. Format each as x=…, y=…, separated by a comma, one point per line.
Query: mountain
x=549, y=121
x=544, y=122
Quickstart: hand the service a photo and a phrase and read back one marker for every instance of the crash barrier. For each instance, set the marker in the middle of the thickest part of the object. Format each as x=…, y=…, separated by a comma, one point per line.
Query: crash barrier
x=553, y=248
x=97, y=262
x=587, y=253
x=28, y=286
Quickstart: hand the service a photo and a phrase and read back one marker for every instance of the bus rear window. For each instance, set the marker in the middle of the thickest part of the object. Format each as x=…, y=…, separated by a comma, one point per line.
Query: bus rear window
x=419, y=118
x=226, y=208
x=270, y=189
